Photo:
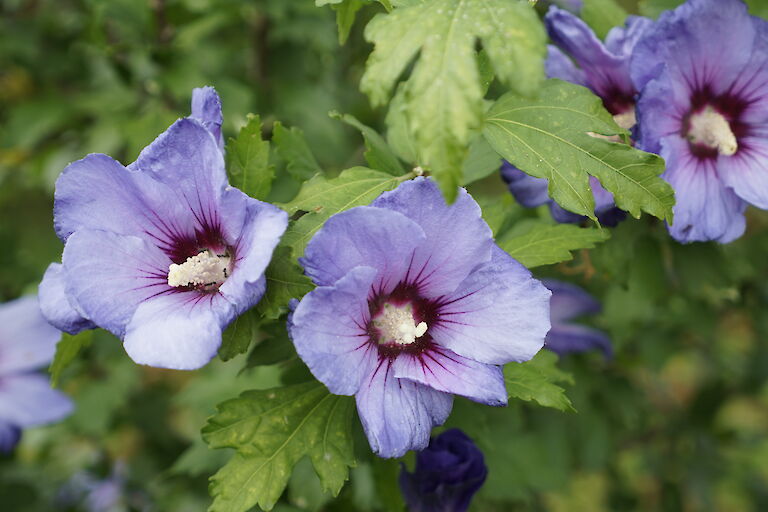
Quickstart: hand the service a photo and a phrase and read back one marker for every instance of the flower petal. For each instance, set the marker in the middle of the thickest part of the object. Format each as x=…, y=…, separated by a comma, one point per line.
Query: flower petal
x=500, y=313
x=363, y=236
x=398, y=414
x=746, y=172
x=254, y=241
x=206, y=108
x=28, y=400
x=605, y=72
x=559, y=65
x=108, y=275
x=706, y=209
x=569, y=301
x=9, y=436
x=443, y=370
x=178, y=331
x=564, y=339
x=27, y=341
x=458, y=239
x=328, y=328
x=55, y=304
x=97, y=192
x=188, y=160
x=701, y=43
x=527, y=190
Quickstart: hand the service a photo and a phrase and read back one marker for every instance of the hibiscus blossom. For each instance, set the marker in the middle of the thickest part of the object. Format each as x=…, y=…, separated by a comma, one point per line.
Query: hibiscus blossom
x=164, y=253
x=415, y=302
x=27, y=342
x=703, y=75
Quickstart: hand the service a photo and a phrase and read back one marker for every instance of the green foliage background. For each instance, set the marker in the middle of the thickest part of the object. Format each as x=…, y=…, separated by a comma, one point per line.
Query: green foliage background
x=677, y=421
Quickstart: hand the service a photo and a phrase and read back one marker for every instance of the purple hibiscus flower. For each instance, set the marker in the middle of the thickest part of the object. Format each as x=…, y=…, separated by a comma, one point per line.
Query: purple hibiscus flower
x=581, y=58
x=448, y=473
x=415, y=302
x=27, y=342
x=568, y=302
x=703, y=75
x=164, y=253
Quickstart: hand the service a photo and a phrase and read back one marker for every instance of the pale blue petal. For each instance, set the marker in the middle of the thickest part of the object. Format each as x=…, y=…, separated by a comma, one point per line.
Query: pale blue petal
x=499, y=314
x=458, y=239
x=27, y=341
x=398, y=414
x=28, y=400
x=56, y=306
x=329, y=330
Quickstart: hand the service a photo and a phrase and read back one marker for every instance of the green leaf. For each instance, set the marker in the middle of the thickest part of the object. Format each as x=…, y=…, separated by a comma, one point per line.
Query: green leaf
x=237, y=337
x=481, y=161
x=552, y=137
x=345, y=17
x=272, y=430
x=321, y=197
x=603, y=15
x=285, y=281
x=378, y=154
x=248, y=160
x=292, y=147
x=443, y=97
x=536, y=380
x=545, y=244
x=276, y=348
x=653, y=8
x=66, y=351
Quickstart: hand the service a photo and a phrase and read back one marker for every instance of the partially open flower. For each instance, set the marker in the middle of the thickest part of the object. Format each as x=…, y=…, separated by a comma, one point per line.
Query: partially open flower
x=447, y=475
x=415, y=302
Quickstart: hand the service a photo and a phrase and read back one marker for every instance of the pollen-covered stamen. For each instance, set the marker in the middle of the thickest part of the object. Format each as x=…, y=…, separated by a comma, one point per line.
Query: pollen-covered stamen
x=397, y=325
x=203, y=269
x=709, y=128
x=626, y=119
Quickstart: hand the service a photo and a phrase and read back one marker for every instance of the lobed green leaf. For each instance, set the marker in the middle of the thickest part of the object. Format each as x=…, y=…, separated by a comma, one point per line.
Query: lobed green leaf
x=321, y=198
x=293, y=148
x=443, y=97
x=536, y=380
x=66, y=351
x=545, y=244
x=554, y=137
x=272, y=430
x=248, y=160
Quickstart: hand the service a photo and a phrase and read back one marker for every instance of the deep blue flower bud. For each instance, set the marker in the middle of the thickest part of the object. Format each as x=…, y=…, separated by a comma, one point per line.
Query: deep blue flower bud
x=448, y=473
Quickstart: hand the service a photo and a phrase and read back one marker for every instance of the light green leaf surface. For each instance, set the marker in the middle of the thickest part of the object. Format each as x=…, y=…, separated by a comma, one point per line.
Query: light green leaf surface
x=237, y=337
x=285, y=281
x=545, y=244
x=248, y=160
x=321, y=197
x=443, y=95
x=537, y=380
x=603, y=15
x=66, y=351
x=272, y=430
x=293, y=148
x=553, y=137
x=378, y=154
